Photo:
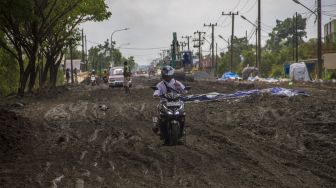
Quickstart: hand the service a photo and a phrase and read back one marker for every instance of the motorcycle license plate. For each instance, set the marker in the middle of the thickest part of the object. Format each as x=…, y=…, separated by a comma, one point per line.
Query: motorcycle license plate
x=169, y=104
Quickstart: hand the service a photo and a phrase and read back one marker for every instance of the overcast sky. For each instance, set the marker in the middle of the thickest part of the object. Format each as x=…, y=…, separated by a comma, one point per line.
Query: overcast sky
x=152, y=22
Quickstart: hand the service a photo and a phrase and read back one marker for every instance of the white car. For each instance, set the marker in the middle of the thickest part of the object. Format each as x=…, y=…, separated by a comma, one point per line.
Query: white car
x=116, y=77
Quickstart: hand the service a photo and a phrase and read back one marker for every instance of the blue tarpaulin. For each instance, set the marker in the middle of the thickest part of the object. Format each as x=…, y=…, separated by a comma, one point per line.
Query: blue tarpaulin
x=229, y=76
x=239, y=94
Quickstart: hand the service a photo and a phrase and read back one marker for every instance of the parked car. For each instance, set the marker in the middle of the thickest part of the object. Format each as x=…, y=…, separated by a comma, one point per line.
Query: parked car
x=143, y=74
x=116, y=77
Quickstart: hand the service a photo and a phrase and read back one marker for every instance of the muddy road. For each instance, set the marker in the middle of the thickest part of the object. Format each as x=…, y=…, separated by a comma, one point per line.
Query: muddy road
x=69, y=140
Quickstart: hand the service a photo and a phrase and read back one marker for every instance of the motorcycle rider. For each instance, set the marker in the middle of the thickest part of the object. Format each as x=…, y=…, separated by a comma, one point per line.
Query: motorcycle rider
x=105, y=75
x=167, y=85
x=93, y=72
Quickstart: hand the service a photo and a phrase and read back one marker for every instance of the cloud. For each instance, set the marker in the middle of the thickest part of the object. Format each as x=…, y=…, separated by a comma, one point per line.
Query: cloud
x=152, y=22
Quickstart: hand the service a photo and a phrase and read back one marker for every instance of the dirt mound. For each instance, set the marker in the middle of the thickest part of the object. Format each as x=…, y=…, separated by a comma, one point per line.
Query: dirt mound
x=15, y=134
x=201, y=75
x=258, y=141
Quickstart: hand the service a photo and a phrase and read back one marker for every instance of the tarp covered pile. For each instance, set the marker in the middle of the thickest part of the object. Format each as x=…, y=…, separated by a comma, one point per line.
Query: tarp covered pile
x=239, y=94
x=249, y=71
x=229, y=76
x=299, y=72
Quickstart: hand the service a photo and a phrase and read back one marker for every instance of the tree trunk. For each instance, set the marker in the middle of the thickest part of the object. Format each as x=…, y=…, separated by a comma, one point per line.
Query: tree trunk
x=56, y=72
x=46, y=68
x=21, y=88
x=24, y=79
x=32, y=75
x=32, y=62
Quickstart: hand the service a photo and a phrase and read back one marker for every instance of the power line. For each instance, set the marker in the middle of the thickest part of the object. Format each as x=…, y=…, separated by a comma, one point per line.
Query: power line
x=251, y=34
x=155, y=48
x=140, y=55
x=247, y=1
x=229, y=23
x=330, y=5
x=237, y=5
x=93, y=42
x=226, y=18
x=330, y=15
x=249, y=10
x=329, y=11
x=266, y=25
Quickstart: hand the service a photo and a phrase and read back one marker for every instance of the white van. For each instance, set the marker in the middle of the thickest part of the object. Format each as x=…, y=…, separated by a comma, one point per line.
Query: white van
x=116, y=77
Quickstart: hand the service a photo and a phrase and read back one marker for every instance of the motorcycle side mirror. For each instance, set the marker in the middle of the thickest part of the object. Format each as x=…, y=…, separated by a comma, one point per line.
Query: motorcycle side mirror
x=154, y=88
x=187, y=88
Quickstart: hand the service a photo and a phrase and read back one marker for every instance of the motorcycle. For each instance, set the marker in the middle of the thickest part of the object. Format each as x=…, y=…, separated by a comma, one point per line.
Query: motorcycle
x=93, y=80
x=172, y=118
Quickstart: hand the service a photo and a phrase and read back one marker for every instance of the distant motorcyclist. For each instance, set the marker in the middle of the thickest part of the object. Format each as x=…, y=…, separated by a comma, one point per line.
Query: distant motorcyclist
x=127, y=77
x=93, y=72
x=167, y=85
x=105, y=76
x=93, y=77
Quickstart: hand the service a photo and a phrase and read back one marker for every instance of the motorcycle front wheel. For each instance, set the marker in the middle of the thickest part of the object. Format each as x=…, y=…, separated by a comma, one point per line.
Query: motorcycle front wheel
x=173, y=132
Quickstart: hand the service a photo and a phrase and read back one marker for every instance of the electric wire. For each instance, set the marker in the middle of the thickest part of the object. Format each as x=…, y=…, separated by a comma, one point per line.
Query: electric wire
x=249, y=10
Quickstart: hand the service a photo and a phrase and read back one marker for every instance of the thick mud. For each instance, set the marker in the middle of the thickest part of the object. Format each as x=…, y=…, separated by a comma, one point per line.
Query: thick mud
x=96, y=136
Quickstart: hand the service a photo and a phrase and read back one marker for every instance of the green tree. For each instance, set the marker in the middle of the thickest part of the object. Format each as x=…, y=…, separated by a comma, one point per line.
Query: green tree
x=284, y=31
x=9, y=77
x=243, y=55
x=29, y=25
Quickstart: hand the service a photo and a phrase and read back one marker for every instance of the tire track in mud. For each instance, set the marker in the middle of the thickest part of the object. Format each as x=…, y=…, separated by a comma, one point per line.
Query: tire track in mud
x=261, y=160
x=253, y=142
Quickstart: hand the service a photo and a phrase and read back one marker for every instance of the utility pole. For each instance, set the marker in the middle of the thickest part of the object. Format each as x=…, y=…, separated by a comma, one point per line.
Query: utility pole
x=293, y=39
x=259, y=34
x=212, y=43
x=86, y=56
x=83, y=60
x=319, y=37
x=256, y=48
x=216, y=66
x=183, y=44
x=71, y=64
x=319, y=41
x=233, y=15
x=162, y=55
x=296, y=37
x=246, y=38
x=188, y=39
x=199, y=46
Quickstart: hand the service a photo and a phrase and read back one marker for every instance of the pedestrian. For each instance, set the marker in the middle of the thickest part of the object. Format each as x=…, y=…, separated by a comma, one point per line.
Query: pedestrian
x=127, y=77
x=67, y=75
x=75, y=75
